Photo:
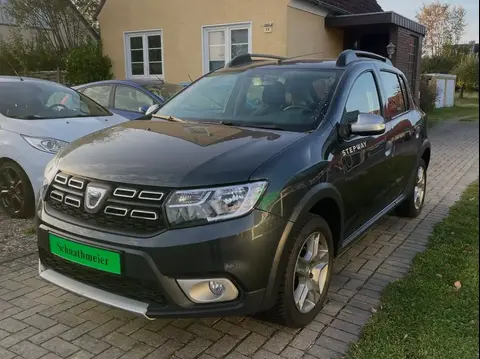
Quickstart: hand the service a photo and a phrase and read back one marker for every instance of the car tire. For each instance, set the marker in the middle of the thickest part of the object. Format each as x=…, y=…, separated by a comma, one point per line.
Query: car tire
x=288, y=310
x=20, y=192
x=412, y=206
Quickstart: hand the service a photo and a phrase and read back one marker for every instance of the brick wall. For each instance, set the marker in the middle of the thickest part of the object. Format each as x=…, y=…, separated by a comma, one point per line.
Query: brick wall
x=402, y=39
x=55, y=76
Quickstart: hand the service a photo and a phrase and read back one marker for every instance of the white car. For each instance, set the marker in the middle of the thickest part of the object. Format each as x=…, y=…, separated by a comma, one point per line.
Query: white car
x=37, y=119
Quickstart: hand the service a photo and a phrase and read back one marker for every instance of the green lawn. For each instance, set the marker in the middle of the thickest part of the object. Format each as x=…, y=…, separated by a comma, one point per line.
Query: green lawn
x=424, y=316
x=465, y=109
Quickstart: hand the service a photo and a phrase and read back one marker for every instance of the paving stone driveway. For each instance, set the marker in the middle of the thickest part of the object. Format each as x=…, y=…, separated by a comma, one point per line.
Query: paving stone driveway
x=38, y=320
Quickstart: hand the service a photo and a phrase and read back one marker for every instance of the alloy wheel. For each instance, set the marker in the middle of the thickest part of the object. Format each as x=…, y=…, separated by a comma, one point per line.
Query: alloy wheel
x=419, y=190
x=311, y=272
x=12, y=197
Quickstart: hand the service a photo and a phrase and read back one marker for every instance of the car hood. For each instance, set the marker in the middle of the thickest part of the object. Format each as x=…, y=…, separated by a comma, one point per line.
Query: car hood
x=65, y=129
x=173, y=154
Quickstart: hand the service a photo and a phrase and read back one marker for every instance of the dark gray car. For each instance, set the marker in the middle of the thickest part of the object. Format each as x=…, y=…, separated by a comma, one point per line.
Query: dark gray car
x=239, y=193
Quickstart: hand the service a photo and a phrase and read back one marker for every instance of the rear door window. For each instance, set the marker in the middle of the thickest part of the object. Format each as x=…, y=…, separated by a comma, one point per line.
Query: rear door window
x=393, y=94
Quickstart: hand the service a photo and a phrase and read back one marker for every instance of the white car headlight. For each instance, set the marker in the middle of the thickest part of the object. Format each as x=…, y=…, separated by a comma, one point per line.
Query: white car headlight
x=50, y=170
x=48, y=175
x=49, y=145
x=213, y=204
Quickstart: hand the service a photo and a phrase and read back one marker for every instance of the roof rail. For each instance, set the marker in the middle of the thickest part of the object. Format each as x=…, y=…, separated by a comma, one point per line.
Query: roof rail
x=348, y=56
x=248, y=58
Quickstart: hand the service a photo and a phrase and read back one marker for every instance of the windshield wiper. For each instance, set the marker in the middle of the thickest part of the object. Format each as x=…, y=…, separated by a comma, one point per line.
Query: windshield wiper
x=254, y=125
x=30, y=117
x=168, y=118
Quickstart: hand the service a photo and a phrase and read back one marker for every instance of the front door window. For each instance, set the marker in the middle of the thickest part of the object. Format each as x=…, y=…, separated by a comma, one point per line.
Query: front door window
x=129, y=99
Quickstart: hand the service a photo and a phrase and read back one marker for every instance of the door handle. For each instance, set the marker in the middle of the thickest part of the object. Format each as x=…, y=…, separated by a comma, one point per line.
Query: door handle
x=417, y=131
x=389, y=148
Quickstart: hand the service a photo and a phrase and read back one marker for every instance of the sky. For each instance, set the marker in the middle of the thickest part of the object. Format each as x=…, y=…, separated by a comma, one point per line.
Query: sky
x=409, y=8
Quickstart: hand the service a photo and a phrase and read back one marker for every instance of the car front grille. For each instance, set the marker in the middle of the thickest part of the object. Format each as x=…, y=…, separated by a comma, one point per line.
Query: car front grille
x=123, y=208
x=141, y=290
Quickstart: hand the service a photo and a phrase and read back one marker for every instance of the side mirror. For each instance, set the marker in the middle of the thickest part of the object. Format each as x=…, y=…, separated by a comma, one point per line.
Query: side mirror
x=152, y=109
x=143, y=109
x=367, y=125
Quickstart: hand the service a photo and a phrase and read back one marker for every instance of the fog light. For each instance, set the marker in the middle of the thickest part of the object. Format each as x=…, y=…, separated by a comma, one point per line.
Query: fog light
x=208, y=290
x=216, y=288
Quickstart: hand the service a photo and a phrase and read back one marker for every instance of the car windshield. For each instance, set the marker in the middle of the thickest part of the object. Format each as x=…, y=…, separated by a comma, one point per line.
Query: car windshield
x=165, y=91
x=42, y=100
x=279, y=98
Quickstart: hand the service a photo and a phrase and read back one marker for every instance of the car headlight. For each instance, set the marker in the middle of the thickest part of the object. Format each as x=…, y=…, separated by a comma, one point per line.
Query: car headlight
x=48, y=175
x=50, y=170
x=49, y=145
x=199, y=206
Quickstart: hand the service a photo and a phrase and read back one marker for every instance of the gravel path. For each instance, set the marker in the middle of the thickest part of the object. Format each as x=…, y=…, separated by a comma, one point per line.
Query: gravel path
x=16, y=236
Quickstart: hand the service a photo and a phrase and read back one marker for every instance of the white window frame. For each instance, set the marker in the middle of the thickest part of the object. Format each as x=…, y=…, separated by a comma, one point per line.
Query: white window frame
x=228, y=49
x=128, y=54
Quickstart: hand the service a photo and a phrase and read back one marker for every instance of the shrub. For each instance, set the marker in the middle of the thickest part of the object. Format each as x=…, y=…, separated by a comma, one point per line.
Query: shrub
x=87, y=64
x=428, y=94
x=440, y=64
x=26, y=55
x=467, y=74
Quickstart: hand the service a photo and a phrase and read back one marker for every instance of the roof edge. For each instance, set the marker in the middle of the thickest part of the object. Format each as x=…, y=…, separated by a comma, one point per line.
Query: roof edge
x=100, y=8
x=377, y=18
x=327, y=6
x=89, y=27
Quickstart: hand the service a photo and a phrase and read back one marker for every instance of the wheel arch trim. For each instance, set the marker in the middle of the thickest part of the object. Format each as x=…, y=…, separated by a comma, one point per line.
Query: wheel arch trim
x=426, y=145
x=313, y=196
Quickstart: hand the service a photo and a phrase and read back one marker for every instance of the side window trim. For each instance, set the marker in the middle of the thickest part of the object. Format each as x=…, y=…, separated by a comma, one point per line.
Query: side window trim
x=376, y=80
x=405, y=104
x=406, y=93
x=114, y=94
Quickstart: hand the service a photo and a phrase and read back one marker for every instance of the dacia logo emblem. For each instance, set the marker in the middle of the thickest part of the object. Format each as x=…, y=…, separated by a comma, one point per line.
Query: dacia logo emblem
x=95, y=195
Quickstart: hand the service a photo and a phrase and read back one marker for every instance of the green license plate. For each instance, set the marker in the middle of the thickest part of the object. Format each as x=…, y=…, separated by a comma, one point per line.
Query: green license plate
x=92, y=257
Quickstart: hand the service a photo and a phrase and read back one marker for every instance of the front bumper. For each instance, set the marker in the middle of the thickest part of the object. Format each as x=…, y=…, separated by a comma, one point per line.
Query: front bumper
x=240, y=250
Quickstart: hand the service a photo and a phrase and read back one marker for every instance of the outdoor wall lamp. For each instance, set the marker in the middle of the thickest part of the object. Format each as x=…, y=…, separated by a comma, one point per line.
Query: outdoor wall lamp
x=390, y=50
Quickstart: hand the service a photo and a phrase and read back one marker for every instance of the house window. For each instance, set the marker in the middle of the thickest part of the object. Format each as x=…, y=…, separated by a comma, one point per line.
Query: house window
x=223, y=43
x=144, y=54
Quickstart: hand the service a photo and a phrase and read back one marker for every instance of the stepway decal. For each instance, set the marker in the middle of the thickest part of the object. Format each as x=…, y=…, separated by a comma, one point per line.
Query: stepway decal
x=353, y=149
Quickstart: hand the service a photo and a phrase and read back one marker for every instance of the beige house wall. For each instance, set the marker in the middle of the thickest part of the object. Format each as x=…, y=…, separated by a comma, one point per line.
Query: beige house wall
x=181, y=23
x=307, y=33
x=298, y=29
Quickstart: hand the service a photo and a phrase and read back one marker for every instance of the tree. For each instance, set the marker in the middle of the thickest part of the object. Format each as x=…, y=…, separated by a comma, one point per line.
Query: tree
x=457, y=23
x=441, y=64
x=88, y=8
x=445, y=26
x=467, y=74
x=58, y=23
